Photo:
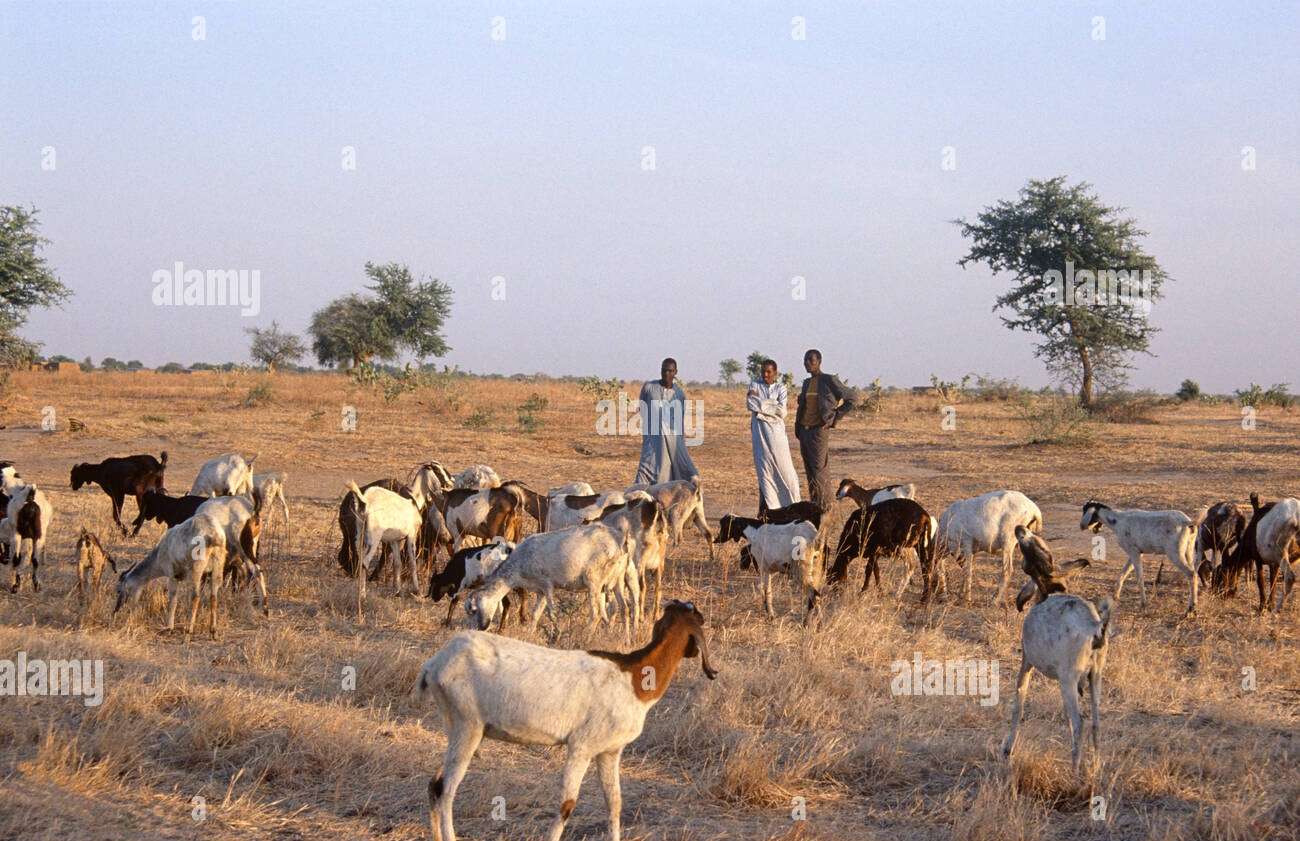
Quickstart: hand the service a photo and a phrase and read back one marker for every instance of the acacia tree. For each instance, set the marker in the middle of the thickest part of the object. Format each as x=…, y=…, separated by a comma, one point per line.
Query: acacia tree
x=26, y=281
x=1069, y=255
x=398, y=314
x=273, y=347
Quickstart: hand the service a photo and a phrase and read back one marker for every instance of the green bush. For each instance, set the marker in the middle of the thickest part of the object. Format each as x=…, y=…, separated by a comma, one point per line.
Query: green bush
x=259, y=395
x=479, y=419
x=1188, y=391
x=1257, y=396
x=1055, y=420
x=529, y=411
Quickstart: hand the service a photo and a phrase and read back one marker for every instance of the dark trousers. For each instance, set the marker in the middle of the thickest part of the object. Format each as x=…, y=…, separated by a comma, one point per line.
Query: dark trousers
x=815, y=447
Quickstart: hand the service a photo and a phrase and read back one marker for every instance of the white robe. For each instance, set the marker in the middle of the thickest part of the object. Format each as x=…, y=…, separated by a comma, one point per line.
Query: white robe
x=778, y=484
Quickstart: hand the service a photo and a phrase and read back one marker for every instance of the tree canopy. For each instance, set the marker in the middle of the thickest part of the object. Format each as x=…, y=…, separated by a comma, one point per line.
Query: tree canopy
x=398, y=314
x=274, y=347
x=26, y=281
x=1080, y=279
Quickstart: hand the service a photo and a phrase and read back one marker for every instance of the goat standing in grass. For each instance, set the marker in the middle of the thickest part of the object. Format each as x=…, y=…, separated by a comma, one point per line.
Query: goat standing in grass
x=384, y=518
x=592, y=702
x=985, y=523
x=91, y=559
x=793, y=548
x=1065, y=637
x=1171, y=533
x=120, y=477
x=194, y=551
x=25, y=529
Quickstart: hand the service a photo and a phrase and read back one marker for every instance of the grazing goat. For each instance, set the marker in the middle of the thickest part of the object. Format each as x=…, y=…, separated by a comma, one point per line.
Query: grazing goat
x=592, y=702
x=347, y=555
x=428, y=477
x=535, y=505
x=683, y=500
x=1218, y=534
x=1269, y=540
x=120, y=477
x=1065, y=637
x=732, y=527
x=564, y=510
x=795, y=549
x=91, y=559
x=270, y=486
x=469, y=568
x=478, y=477
x=240, y=518
x=194, y=551
x=225, y=475
x=885, y=529
x=594, y=557
x=1153, y=532
x=644, y=521
x=985, y=523
x=384, y=518
x=25, y=528
x=870, y=496
x=168, y=510
x=485, y=514
x=1044, y=576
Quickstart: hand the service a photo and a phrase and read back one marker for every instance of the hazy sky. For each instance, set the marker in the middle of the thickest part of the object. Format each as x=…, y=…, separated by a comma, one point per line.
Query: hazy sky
x=522, y=158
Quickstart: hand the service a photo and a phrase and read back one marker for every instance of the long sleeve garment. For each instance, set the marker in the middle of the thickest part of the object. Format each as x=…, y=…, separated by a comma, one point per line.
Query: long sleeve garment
x=778, y=483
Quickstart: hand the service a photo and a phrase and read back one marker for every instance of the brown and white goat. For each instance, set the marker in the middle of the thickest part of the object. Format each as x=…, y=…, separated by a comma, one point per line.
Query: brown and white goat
x=91, y=560
x=1045, y=578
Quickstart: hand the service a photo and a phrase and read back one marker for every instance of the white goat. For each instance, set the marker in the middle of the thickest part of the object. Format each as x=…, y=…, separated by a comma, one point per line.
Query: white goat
x=385, y=518
x=25, y=527
x=225, y=475
x=985, y=523
x=240, y=521
x=270, y=486
x=571, y=489
x=1065, y=637
x=191, y=551
x=564, y=510
x=683, y=500
x=1275, y=537
x=592, y=702
x=792, y=548
x=1171, y=533
x=477, y=476
x=644, y=521
x=594, y=557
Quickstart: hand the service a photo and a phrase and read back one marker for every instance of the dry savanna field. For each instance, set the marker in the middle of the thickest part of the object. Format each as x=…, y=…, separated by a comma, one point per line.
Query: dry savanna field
x=262, y=726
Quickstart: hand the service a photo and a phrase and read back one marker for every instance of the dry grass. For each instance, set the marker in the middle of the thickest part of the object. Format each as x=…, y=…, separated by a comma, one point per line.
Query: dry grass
x=258, y=723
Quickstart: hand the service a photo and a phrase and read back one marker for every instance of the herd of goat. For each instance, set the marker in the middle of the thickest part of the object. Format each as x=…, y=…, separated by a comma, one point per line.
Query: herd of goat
x=613, y=546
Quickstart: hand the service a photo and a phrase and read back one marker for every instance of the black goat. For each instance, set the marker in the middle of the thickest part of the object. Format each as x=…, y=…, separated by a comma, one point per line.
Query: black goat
x=447, y=582
x=120, y=477
x=884, y=529
x=168, y=510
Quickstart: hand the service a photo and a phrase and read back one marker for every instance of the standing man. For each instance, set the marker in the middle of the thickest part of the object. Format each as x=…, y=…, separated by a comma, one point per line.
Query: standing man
x=663, y=440
x=822, y=402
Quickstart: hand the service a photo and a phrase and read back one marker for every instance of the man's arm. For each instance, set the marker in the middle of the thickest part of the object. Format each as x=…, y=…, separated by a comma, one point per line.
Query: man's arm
x=842, y=394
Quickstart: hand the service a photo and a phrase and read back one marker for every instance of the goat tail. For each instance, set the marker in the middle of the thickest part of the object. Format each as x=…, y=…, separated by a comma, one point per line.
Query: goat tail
x=162, y=459
x=352, y=488
x=1105, y=610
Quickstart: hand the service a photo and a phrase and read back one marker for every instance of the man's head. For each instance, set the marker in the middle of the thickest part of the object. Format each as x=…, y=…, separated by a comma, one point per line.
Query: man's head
x=769, y=371
x=668, y=370
x=812, y=361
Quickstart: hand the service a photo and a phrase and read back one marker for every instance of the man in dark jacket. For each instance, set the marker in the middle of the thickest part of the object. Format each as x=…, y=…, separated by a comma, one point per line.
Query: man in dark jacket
x=822, y=402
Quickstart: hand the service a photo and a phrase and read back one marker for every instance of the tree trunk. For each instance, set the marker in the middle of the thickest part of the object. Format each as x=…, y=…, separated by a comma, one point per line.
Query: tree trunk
x=1085, y=384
